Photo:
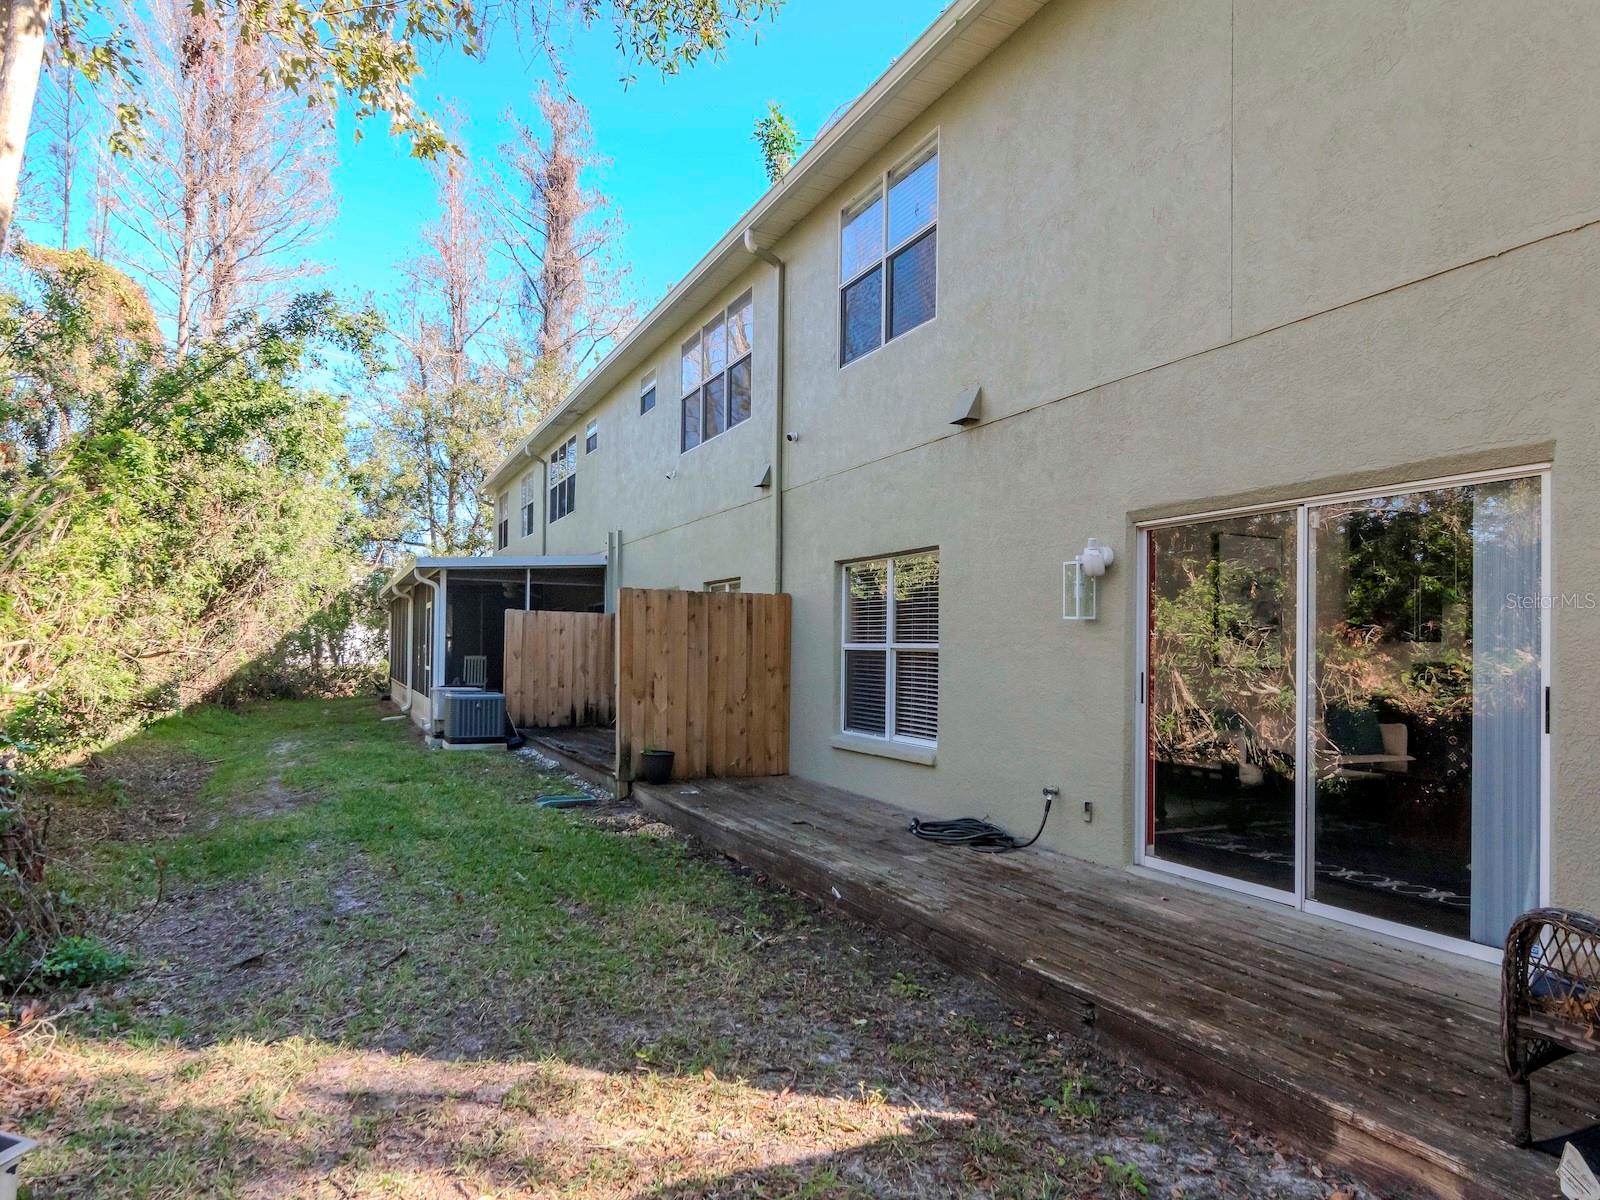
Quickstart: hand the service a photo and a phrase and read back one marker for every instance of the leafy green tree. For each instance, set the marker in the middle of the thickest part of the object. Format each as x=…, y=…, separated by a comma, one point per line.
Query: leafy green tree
x=370, y=55
x=779, y=142
x=161, y=520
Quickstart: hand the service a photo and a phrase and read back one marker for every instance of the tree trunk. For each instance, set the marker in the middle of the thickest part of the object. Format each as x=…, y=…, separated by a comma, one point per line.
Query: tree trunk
x=25, y=24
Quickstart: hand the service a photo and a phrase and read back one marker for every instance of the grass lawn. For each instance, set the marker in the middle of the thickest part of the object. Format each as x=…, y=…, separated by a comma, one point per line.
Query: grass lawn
x=370, y=970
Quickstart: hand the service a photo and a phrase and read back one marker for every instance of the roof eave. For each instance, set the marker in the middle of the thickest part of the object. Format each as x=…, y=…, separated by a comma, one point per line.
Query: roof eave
x=945, y=52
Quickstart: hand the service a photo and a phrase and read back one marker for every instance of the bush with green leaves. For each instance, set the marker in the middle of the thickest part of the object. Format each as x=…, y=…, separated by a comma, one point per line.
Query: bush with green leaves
x=74, y=961
x=162, y=520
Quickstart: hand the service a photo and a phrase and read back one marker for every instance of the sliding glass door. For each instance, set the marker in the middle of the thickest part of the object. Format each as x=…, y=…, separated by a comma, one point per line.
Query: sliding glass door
x=1387, y=762
x=1223, y=602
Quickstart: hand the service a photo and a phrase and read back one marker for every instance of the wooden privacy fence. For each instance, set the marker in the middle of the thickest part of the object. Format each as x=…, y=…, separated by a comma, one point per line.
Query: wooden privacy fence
x=706, y=675
x=560, y=668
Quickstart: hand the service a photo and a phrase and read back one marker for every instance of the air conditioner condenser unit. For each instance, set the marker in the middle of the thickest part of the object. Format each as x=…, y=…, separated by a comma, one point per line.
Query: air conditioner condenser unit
x=473, y=716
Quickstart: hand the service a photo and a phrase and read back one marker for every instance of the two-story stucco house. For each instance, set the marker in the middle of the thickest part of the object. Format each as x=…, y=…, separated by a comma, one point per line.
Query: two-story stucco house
x=1293, y=306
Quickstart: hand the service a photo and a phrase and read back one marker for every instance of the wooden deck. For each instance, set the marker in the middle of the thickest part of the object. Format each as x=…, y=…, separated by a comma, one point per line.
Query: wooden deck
x=1360, y=1051
x=588, y=751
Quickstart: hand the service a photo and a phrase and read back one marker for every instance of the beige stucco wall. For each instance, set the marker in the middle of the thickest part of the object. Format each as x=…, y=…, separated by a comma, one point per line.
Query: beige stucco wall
x=1195, y=253
x=638, y=482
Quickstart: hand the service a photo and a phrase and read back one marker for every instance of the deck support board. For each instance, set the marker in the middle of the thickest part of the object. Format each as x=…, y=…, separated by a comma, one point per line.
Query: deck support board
x=1371, y=1056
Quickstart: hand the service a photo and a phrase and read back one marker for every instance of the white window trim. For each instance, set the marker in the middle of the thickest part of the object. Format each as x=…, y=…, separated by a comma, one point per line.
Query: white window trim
x=568, y=452
x=880, y=189
x=528, y=489
x=698, y=337
x=891, y=646
x=591, y=430
x=734, y=583
x=647, y=384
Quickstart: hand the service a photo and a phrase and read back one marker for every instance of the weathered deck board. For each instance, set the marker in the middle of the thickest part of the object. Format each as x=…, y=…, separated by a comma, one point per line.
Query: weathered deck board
x=1364, y=1052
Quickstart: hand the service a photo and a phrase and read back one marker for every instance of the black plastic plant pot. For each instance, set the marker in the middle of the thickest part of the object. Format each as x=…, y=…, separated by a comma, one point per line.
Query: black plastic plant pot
x=655, y=766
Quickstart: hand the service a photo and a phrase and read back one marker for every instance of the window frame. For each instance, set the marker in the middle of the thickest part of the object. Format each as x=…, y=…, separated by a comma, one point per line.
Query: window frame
x=502, y=520
x=568, y=483
x=891, y=648
x=528, y=488
x=591, y=436
x=879, y=191
x=733, y=584
x=724, y=375
x=647, y=392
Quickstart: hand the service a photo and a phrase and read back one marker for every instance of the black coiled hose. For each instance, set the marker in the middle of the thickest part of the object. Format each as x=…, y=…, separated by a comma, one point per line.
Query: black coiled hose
x=976, y=834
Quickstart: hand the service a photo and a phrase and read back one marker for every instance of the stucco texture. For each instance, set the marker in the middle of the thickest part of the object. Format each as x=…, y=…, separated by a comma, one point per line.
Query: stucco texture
x=1195, y=254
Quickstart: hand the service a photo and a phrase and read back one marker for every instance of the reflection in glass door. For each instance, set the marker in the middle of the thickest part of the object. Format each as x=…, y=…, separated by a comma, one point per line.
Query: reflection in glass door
x=1427, y=713
x=1221, y=674
x=1344, y=704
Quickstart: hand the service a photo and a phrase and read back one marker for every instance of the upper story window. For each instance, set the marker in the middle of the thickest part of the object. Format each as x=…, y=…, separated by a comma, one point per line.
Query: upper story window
x=724, y=585
x=716, y=374
x=891, y=648
x=502, y=524
x=888, y=252
x=528, y=501
x=591, y=437
x=647, y=392
x=564, y=479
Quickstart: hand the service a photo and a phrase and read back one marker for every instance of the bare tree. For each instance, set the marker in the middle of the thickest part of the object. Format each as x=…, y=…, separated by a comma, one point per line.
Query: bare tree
x=560, y=237
x=233, y=175
x=458, y=397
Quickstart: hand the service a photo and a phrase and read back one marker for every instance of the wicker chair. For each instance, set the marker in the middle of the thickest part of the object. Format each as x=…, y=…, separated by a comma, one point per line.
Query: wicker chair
x=1549, y=1000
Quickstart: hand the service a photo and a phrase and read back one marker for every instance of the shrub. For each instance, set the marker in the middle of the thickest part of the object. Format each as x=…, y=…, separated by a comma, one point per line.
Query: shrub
x=75, y=961
x=81, y=961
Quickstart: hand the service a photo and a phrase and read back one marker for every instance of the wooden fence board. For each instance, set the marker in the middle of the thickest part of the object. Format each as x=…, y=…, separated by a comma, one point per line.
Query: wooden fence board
x=706, y=675
x=558, y=668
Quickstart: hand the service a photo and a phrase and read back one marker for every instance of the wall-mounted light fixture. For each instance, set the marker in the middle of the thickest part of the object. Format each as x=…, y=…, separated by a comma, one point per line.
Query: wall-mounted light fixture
x=1080, y=578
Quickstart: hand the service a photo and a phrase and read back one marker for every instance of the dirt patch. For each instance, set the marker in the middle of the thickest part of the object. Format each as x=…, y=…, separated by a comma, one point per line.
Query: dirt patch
x=482, y=999
x=148, y=794
x=273, y=799
x=210, y=956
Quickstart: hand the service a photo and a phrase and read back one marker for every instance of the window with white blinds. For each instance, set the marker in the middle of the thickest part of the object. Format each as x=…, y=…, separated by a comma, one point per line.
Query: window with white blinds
x=891, y=648
x=888, y=257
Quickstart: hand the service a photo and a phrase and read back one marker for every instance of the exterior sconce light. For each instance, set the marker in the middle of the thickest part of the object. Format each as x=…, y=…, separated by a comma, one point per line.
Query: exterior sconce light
x=1080, y=581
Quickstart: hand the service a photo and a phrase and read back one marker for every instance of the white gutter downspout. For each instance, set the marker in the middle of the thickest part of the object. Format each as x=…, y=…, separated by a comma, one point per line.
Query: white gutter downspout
x=411, y=637
x=752, y=243
x=437, y=665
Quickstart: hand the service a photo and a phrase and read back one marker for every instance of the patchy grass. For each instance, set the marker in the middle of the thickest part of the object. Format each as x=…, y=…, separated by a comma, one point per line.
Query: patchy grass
x=370, y=970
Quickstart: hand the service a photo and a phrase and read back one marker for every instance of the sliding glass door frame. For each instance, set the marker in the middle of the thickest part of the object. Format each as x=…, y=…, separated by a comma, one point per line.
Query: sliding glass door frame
x=1305, y=624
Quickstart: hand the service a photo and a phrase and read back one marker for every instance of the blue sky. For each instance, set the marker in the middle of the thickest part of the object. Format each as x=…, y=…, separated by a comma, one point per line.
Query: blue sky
x=683, y=165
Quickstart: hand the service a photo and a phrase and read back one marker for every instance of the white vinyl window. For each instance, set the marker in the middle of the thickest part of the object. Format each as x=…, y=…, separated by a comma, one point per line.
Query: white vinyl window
x=647, y=392
x=591, y=437
x=502, y=519
x=890, y=629
x=564, y=479
x=716, y=374
x=528, y=499
x=888, y=257
x=724, y=585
